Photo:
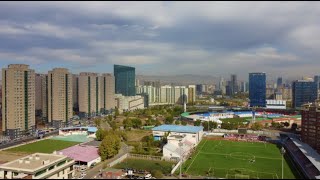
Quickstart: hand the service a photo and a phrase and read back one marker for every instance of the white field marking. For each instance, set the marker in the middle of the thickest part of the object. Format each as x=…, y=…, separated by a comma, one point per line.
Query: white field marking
x=192, y=161
x=240, y=155
x=203, y=145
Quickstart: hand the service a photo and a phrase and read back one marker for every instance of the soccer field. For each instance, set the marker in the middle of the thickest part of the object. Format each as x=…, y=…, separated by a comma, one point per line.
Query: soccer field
x=43, y=146
x=228, y=159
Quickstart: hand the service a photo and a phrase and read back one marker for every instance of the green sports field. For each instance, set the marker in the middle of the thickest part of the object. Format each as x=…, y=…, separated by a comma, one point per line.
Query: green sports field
x=163, y=166
x=44, y=146
x=228, y=159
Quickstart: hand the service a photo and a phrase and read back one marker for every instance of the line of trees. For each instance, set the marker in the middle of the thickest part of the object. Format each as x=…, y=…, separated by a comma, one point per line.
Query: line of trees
x=110, y=144
x=206, y=126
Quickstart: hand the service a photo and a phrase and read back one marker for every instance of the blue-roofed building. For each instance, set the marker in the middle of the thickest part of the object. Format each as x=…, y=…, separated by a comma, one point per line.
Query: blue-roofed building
x=192, y=133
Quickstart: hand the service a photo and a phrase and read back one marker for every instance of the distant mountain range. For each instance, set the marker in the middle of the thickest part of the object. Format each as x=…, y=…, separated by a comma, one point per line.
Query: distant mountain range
x=184, y=79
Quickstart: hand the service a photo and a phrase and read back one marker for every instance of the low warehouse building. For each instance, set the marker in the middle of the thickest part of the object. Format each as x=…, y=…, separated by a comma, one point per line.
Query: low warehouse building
x=193, y=133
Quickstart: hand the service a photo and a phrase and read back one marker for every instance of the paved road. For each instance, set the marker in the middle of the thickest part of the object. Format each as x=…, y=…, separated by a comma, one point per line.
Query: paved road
x=96, y=170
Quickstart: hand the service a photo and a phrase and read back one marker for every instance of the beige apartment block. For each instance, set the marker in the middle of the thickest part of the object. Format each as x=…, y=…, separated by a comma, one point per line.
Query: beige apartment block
x=129, y=103
x=18, y=100
x=191, y=94
x=180, y=94
x=60, y=105
x=89, y=94
x=39, y=166
x=107, y=89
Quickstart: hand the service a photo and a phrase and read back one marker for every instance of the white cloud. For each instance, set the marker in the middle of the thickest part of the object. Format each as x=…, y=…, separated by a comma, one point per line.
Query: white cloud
x=18, y=58
x=134, y=60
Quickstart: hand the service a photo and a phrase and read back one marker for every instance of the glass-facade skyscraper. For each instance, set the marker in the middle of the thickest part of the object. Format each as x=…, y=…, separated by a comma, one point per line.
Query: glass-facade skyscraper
x=257, y=89
x=125, y=77
x=303, y=91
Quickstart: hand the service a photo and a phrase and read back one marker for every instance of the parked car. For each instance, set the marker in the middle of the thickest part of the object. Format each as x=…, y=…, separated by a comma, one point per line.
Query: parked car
x=148, y=176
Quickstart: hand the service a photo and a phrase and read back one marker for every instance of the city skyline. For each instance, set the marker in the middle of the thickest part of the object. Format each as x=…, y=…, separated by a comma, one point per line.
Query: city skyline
x=174, y=38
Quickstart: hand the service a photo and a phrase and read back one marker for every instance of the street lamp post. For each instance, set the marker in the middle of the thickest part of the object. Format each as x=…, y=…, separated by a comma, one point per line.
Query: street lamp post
x=283, y=151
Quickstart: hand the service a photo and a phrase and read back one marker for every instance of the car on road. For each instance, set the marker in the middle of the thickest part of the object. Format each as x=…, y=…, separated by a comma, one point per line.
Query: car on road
x=148, y=176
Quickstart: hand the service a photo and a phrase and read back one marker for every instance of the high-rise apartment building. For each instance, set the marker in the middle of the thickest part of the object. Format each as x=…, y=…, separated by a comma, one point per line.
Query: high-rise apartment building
x=89, y=94
x=124, y=80
x=279, y=82
x=75, y=92
x=317, y=82
x=191, y=94
x=60, y=103
x=310, y=124
x=39, y=78
x=234, y=85
x=199, y=89
x=18, y=102
x=44, y=95
x=243, y=86
x=137, y=83
x=107, y=88
x=303, y=91
x=167, y=94
x=152, y=83
x=257, y=89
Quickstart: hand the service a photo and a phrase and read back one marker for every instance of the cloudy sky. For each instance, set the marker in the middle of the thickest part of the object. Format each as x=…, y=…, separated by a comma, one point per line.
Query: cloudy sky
x=159, y=38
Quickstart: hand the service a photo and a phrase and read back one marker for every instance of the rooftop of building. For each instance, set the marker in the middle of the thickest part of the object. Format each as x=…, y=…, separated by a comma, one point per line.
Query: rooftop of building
x=93, y=143
x=177, y=128
x=81, y=153
x=33, y=162
x=308, y=151
x=89, y=129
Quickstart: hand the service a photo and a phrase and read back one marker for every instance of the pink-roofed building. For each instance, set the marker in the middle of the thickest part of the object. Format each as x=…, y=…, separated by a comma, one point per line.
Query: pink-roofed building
x=83, y=155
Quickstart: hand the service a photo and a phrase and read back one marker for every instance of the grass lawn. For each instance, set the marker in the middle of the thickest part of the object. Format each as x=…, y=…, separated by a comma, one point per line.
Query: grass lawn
x=44, y=146
x=228, y=159
x=139, y=164
x=137, y=135
x=234, y=120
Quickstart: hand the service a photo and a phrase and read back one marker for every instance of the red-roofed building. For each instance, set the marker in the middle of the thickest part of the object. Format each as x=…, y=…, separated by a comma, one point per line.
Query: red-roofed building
x=83, y=155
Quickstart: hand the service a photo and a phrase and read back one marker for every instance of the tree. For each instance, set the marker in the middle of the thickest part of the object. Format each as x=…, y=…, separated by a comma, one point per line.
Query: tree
x=138, y=148
x=97, y=122
x=148, y=122
x=109, y=117
x=229, y=126
x=157, y=123
x=212, y=125
x=256, y=126
x=127, y=123
x=136, y=123
x=294, y=126
x=286, y=124
x=113, y=125
x=157, y=174
x=197, y=123
x=177, y=122
x=183, y=123
x=100, y=134
x=116, y=112
x=169, y=120
x=109, y=147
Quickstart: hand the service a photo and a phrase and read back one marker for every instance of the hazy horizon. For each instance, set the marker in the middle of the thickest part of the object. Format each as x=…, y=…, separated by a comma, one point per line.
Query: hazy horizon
x=164, y=38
